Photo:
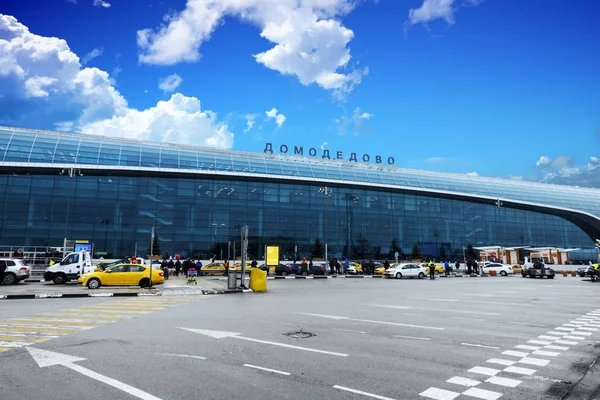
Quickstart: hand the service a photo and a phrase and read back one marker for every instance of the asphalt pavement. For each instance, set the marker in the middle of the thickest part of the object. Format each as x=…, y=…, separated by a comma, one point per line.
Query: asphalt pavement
x=452, y=338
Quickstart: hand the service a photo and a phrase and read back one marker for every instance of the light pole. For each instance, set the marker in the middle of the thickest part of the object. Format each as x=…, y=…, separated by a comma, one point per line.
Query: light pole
x=71, y=173
x=499, y=204
x=106, y=222
x=327, y=192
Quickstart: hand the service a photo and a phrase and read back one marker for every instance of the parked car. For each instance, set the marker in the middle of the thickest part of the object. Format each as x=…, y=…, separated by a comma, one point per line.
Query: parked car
x=122, y=275
x=16, y=270
x=304, y=270
x=501, y=269
x=531, y=270
x=406, y=270
x=280, y=269
x=439, y=269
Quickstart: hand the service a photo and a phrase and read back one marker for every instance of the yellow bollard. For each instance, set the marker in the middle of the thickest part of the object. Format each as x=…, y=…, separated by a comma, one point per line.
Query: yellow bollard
x=258, y=280
x=564, y=273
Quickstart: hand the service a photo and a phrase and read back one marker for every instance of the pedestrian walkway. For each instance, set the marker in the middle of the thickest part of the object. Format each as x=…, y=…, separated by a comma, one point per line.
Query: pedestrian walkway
x=26, y=331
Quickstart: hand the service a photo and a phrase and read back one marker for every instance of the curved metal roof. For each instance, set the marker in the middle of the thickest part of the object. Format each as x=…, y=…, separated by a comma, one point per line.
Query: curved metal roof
x=19, y=145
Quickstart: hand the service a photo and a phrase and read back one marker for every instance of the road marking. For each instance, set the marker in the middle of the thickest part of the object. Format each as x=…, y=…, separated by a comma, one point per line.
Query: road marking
x=498, y=380
x=525, y=347
x=520, y=370
x=573, y=337
x=342, y=318
x=552, y=347
x=484, y=371
x=557, y=333
x=527, y=324
x=459, y=380
x=501, y=361
x=182, y=356
x=538, y=342
x=515, y=353
x=348, y=330
x=560, y=328
x=439, y=394
x=483, y=394
x=534, y=361
x=14, y=344
x=547, y=337
x=545, y=353
x=73, y=325
x=411, y=337
x=480, y=345
x=571, y=325
x=375, y=396
x=565, y=342
x=435, y=309
x=45, y=358
x=583, y=328
x=581, y=333
x=267, y=369
x=234, y=335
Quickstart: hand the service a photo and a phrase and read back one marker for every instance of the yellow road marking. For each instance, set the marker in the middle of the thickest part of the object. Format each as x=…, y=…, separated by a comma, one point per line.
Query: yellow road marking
x=3, y=349
x=36, y=339
x=76, y=317
x=50, y=323
x=31, y=329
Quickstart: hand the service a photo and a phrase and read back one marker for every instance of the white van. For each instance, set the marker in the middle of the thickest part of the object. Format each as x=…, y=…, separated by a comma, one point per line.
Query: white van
x=70, y=268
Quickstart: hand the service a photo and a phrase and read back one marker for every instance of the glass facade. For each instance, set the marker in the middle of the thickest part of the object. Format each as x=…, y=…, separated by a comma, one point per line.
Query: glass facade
x=197, y=199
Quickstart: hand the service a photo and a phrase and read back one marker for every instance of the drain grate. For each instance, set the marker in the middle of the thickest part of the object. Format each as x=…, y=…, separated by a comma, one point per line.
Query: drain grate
x=300, y=334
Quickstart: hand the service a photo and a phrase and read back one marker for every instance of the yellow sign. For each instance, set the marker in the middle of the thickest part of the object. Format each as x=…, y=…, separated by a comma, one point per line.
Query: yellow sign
x=272, y=255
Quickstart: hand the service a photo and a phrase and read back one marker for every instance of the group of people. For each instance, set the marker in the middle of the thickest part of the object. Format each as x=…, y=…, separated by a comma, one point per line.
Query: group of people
x=178, y=266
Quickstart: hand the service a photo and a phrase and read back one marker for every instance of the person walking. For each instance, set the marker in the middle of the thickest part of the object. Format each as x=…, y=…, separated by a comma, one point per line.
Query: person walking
x=177, y=267
x=456, y=266
x=338, y=266
x=2, y=270
x=386, y=264
x=254, y=264
x=165, y=269
x=332, y=266
x=476, y=267
x=447, y=267
x=431, y=266
x=346, y=265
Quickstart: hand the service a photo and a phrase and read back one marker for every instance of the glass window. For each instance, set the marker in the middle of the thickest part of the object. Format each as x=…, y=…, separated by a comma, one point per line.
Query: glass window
x=88, y=152
x=188, y=159
x=19, y=147
x=130, y=155
x=169, y=157
x=66, y=150
x=150, y=156
x=109, y=153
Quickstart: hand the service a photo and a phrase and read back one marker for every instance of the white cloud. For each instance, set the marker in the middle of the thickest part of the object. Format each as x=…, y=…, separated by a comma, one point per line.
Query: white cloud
x=563, y=173
x=355, y=124
x=543, y=161
x=91, y=55
x=472, y=174
x=436, y=160
x=42, y=83
x=309, y=41
x=169, y=83
x=274, y=114
x=101, y=4
x=179, y=120
x=323, y=145
x=431, y=10
x=250, y=120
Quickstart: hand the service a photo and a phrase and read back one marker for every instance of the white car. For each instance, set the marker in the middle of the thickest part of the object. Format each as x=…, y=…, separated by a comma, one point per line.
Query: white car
x=501, y=269
x=406, y=270
x=16, y=270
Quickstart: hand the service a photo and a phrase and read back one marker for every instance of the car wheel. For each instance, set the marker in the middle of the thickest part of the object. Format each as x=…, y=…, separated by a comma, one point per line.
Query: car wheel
x=421, y=275
x=524, y=275
x=304, y=273
x=398, y=275
x=284, y=273
x=503, y=273
x=93, y=283
x=59, y=279
x=550, y=276
x=10, y=279
x=144, y=283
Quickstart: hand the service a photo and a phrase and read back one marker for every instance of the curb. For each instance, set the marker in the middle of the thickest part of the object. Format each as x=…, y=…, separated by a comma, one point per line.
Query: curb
x=74, y=295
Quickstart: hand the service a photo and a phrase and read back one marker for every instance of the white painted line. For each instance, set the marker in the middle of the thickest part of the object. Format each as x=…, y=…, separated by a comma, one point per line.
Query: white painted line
x=525, y=347
x=520, y=370
x=497, y=380
x=578, y=323
x=439, y=394
x=411, y=337
x=545, y=353
x=515, y=353
x=182, y=356
x=370, y=321
x=547, y=337
x=571, y=325
x=484, y=371
x=538, y=342
x=527, y=324
x=14, y=344
x=552, y=347
x=557, y=333
x=500, y=361
x=570, y=343
x=482, y=394
x=349, y=330
x=290, y=346
x=594, y=324
x=581, y=333
x=560, y=328
x=480, y=345
x=459, y=380
x=267, y=369
x=375, y=396
x=573, y=337
x=583, y=328
x=435, y=309
x=534, y=361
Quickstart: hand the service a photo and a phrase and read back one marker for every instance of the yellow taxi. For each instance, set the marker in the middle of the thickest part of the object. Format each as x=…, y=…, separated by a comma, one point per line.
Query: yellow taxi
x=214, y=268
x=122, y=275
x=357, y=266
x=438, y=268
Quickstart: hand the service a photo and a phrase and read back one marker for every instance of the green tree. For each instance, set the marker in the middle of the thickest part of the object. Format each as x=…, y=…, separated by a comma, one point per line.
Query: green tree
x=317, y=250
x=472, y=253
x=156, y=246
x=416, y=252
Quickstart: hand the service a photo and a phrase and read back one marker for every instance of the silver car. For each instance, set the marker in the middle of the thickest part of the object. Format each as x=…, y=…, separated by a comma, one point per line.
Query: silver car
x=16, y=270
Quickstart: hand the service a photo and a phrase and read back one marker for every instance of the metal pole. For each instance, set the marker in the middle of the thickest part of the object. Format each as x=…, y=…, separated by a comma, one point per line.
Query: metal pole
x=151, y=251
x=244, y=248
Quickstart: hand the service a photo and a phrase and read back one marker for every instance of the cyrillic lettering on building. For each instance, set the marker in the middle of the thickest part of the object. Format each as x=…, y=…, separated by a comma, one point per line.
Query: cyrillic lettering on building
x=283, y=149
x=326, y=154
x=366, y=158
x=298, y=150
x=339, y=155
x=269, y=148
x=378, y=159
x=312, y=152
x=391, y=160
x=353, y=157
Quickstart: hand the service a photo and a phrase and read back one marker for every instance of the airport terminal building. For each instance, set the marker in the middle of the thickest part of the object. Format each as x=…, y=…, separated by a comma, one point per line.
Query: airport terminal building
x=112, y=191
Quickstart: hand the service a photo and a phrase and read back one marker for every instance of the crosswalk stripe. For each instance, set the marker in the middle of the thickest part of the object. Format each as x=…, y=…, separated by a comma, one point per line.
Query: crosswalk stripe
x=37, y=329
x=75, y=325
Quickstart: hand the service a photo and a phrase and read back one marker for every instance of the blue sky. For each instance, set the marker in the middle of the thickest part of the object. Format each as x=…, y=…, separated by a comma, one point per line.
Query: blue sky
x=501, y=88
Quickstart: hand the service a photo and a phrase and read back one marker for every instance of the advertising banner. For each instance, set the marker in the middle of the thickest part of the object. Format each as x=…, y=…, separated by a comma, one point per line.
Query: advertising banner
x=272, y=258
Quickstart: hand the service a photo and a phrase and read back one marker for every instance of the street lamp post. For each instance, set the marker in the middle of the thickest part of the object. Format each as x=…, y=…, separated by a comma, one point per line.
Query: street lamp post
x=71, y=173
x=326, y=191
